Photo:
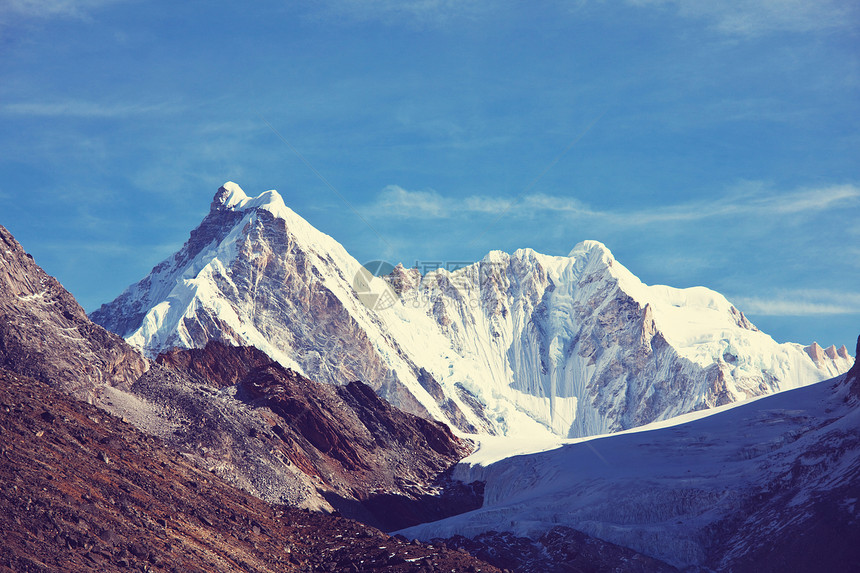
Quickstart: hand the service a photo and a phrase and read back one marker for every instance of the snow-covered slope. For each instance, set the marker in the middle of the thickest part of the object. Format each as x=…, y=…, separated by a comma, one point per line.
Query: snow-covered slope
x=579, y=344
x=524, y=344
x=766, y=485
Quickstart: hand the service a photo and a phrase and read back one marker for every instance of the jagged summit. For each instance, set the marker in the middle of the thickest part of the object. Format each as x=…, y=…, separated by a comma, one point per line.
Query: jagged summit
x=589, y=247
x=231, y=196
x=228, y=195
x=819, y=354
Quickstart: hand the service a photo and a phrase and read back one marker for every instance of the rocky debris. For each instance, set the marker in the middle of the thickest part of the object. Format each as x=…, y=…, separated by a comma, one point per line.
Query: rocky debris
x=559, y=550
x=86, y=491
x=44, y=332
x=356, y=453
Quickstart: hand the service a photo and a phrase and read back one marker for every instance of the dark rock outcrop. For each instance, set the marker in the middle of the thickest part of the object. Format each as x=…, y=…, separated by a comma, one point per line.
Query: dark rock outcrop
x=44, y=332
x=366, y=458
x=215, y=364
x=853, y=376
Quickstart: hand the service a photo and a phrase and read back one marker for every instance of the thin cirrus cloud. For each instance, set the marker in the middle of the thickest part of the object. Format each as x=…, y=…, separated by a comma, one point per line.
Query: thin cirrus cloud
x=400, y=202
x=799, y=202
x=83, y=109
x=395, y=200
x=414, y=11
x=756, y=17
x=52, y=8
x=802, y=303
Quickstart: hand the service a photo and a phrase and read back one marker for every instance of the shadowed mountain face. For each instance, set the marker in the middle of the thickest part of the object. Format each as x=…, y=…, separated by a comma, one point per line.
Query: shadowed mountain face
x=853, y=376
x=82, y=491
x=44, y=332
x=363, y=457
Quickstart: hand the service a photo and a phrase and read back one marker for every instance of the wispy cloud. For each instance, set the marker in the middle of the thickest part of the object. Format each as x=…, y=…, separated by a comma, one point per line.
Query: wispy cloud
x=397, y=201
x=400, y=202
x=801, y=201
x=53, y=8
x=85, y=109
x=422, y=12
x=756, y=17
x=814, y=302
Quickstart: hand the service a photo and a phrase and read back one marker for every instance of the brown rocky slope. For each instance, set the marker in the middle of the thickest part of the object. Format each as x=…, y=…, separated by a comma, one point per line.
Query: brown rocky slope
x=364, y=457
x=84, y=491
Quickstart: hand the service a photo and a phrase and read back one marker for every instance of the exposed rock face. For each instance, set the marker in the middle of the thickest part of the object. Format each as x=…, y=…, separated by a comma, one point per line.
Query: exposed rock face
x=583, y=347
x=853, y=376
x=515, y=344
x=215, y=363
x=213, y=229
x=44, y=333
x=82, y=491
x=289, y=439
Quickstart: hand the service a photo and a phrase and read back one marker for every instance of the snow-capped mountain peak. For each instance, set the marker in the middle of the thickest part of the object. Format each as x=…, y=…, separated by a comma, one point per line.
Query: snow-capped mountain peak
x=516, y=343
x=231, y=197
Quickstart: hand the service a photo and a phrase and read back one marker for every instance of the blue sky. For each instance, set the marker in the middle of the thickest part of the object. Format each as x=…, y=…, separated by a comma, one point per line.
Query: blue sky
x=706, y=143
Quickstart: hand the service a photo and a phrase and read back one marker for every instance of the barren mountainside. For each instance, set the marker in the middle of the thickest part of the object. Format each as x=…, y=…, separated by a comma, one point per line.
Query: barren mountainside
x=291, y=440
x=83, y=491
x=44, y=332
x=234, y=412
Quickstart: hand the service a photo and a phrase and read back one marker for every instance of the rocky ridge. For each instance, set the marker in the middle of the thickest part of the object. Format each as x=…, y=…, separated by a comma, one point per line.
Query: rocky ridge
x=44, y=332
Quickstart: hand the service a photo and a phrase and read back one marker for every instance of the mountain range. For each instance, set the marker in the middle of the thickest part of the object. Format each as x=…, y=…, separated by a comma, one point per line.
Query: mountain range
x=514, y=344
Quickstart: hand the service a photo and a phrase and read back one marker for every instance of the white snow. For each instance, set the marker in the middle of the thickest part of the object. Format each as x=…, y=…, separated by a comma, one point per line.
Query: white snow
x=658, y=489
x=531, y=337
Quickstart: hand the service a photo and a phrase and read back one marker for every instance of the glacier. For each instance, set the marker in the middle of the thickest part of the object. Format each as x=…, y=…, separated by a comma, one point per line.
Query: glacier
x=523, y=344
x=773, y=480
